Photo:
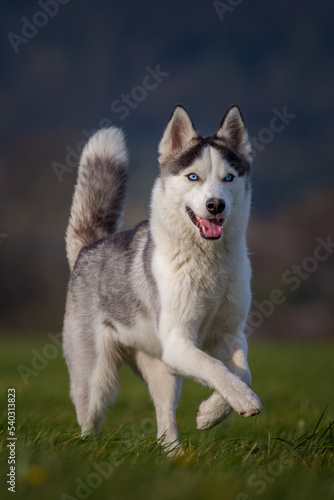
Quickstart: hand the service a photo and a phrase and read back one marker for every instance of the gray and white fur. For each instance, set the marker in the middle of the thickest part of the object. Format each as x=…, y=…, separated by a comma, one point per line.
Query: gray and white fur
x=171, y=296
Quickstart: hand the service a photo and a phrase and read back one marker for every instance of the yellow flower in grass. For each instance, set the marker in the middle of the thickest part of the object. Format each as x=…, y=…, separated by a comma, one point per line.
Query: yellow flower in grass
x=36, y=475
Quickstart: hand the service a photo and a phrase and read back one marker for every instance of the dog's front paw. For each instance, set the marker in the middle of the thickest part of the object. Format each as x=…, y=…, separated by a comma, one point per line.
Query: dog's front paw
x=244, y=401
x=212, y=412
x=250, y=406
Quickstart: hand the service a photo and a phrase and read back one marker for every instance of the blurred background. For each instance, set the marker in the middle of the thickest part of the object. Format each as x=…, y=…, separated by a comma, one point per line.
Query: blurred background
x=70, y=67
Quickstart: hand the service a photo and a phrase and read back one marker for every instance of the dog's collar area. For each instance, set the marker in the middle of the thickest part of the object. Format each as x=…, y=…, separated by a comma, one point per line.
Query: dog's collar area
x=209, y=229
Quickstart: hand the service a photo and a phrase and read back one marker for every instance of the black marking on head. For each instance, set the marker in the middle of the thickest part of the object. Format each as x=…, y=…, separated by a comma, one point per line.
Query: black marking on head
x=191, y=154
x=176, y=164
x=240, y=164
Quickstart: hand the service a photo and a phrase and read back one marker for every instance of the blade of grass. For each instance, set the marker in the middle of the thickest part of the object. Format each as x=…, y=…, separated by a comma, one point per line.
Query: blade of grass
x=284, y=441
x=328, y=430
x=313, y=433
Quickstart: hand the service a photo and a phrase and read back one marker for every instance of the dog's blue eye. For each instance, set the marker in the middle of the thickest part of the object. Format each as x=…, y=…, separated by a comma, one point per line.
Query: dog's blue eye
x=229, y=178
x=193, y=177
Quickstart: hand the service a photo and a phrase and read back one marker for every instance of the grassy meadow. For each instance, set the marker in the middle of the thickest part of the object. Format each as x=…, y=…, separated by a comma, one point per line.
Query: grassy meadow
x=286, y=453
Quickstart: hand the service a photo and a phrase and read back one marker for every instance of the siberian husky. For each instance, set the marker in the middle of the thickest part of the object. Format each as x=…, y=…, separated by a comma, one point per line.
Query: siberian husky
x=171, y=296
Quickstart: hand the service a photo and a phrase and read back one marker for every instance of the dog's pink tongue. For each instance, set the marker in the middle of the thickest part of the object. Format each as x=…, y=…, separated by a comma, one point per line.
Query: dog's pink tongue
x=211, y=227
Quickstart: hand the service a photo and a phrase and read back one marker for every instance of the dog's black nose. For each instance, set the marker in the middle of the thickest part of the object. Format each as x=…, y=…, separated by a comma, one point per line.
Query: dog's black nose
x=215, y=206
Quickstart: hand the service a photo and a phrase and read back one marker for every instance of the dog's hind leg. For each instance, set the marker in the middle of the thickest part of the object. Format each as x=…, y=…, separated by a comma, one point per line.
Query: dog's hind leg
x=165, y=391
x=103, y=384
x=94, y=362
x=232, y=350
x=102, y=390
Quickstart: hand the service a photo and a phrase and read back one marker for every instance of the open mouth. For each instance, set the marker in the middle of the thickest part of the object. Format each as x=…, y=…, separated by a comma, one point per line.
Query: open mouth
x=210, y=229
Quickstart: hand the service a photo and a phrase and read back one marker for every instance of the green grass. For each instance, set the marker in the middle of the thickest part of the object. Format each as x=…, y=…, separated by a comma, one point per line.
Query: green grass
x=284, y=453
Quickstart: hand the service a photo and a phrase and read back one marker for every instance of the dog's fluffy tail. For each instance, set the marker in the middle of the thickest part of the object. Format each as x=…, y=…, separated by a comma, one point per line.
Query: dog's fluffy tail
x=99, y=197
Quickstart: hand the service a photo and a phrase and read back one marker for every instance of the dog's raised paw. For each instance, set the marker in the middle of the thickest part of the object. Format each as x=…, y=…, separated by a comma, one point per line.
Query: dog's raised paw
x=212, y=412
x=252, y=413
x=204, y=421
x=251, y=406
x=244, y=401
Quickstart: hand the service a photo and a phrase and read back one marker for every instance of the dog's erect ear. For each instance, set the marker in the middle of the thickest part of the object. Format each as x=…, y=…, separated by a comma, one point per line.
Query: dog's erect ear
x=233, y=130
x=179, y=132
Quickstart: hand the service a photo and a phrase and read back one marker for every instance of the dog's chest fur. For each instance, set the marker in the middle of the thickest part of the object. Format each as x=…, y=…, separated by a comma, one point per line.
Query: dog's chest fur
x=201, y=292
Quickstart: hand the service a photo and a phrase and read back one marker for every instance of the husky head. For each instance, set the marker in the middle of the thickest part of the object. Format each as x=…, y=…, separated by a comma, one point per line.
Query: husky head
x=205, y=178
